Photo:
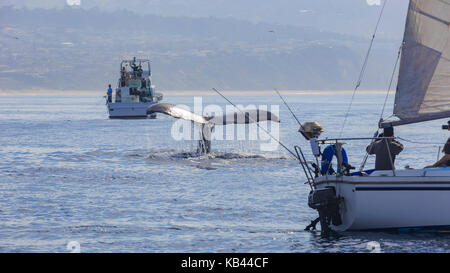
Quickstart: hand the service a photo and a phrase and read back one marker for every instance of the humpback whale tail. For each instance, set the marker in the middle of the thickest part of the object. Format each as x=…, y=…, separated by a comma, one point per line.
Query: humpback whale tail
x=208, y=123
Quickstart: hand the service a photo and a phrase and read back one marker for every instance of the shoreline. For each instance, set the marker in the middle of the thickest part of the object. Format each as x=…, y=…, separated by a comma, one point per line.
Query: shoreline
x=45, y=92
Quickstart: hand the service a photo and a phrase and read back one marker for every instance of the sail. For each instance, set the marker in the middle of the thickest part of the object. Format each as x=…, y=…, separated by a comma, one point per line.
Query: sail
x=423, y=90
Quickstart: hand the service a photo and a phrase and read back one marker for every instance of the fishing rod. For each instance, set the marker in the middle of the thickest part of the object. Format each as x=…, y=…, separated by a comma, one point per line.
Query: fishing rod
x=267, y=132
x=289, y=108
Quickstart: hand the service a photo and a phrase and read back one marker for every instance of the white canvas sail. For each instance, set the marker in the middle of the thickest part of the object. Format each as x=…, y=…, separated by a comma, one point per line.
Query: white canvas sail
x=423, y=91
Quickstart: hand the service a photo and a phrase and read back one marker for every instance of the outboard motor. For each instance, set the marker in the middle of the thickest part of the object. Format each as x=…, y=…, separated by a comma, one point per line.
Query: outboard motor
x=327, y=204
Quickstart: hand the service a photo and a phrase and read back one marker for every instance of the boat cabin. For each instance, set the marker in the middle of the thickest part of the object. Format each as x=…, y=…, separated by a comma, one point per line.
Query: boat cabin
x=135, y=84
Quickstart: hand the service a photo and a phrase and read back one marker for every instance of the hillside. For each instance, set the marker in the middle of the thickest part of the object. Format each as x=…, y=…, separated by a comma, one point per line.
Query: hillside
x=80, y=49
x=327, y=15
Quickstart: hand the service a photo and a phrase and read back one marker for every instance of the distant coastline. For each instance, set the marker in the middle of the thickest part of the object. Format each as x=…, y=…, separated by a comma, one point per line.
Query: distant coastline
x=48, y=92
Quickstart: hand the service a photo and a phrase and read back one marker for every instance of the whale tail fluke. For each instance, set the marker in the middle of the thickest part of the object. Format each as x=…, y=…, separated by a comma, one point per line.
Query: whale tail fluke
x=176, y=112
x=208, y=123
x=244, y=117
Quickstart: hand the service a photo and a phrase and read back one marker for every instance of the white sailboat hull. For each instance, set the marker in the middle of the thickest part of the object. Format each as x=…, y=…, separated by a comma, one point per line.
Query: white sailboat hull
x=411, y=199
x=397, y=199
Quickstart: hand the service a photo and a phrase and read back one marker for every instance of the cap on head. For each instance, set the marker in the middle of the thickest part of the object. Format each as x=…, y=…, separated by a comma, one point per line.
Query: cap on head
x=388, y=132
x=311, y=130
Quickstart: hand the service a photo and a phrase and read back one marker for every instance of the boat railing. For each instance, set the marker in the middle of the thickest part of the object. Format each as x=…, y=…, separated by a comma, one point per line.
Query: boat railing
x=334, y=140
x=339, y=142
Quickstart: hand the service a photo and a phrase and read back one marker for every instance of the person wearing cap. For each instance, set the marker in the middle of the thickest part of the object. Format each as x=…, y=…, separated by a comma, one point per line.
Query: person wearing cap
x=445, y=160
x=385, y=150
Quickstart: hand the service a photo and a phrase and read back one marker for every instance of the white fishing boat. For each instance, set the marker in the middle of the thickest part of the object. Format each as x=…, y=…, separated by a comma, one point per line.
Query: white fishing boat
x=394, y=199
x=135, y=91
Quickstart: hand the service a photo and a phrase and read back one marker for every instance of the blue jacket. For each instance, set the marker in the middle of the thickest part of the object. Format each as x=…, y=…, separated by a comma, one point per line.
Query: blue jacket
x=109, y=92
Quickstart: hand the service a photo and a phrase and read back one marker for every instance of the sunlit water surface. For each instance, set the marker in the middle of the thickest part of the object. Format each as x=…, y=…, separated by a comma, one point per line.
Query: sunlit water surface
x=68, y=173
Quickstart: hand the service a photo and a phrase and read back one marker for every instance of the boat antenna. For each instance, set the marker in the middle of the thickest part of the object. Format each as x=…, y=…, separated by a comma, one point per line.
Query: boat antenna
x=363, y=69
x=289, y=108
x=267, y=132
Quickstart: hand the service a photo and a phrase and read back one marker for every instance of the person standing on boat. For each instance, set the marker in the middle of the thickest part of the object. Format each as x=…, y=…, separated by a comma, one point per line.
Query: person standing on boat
x=139, y=71
x=445, y=160
x=135, y=70
x=123, y=77
x=385, y=150
x=109, y=93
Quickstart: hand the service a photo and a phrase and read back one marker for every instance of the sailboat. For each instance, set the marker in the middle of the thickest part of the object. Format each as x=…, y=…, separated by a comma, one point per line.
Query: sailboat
x=395, y=199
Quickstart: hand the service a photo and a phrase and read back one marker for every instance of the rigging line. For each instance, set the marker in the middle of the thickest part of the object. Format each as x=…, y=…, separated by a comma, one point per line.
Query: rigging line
x=366, y=157
x=289, y=108
x=418, y=142
x=392, y=79
x=384, y=106
x=247, y=115
x=363, y=69
x=363, y=164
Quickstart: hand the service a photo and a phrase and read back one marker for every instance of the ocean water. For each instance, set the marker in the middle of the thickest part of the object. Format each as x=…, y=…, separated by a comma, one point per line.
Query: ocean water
x=68, y=173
